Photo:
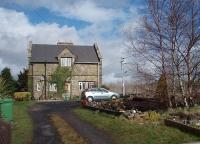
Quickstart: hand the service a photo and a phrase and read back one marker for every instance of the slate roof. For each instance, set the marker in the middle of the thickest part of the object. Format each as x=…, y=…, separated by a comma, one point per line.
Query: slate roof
x=48, y=53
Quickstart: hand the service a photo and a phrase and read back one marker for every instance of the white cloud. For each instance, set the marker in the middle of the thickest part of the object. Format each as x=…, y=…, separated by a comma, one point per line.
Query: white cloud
x=88, y=11
x=15, y=32
x=52, y=33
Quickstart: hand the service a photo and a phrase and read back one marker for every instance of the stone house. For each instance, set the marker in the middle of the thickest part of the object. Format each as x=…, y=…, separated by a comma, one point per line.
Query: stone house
x=84, y=61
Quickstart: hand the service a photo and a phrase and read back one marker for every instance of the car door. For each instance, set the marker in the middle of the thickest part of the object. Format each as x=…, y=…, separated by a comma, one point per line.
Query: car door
x=96, y=94
x=104, y=94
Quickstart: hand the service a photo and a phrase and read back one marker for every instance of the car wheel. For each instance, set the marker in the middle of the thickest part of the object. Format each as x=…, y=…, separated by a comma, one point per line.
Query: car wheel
x=89, y=99
x=113, y=97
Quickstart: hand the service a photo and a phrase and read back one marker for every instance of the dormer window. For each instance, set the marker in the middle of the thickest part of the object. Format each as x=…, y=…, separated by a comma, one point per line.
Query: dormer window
x=66, y=62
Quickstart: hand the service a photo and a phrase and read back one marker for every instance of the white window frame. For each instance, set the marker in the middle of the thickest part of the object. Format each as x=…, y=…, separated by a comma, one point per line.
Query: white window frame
x=52, y=87
x=85, y=85
x=80, y=86
x=66, y=61
x=38, y=86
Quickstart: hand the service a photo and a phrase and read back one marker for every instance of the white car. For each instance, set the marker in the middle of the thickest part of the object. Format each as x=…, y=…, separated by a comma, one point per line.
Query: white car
x=98, y=94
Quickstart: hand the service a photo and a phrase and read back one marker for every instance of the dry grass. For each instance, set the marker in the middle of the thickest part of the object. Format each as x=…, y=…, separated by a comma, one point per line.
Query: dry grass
x=67, y=134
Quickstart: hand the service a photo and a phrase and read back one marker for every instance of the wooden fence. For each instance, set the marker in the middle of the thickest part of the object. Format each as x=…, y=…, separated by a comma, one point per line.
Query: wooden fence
x=182, y=127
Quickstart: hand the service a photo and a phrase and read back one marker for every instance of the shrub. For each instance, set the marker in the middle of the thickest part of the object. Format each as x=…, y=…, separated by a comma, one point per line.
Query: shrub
x=30, y=84
x=59, y=77
x=3, y=88
x=161, y=90
x=22, y=96
x=153, y=116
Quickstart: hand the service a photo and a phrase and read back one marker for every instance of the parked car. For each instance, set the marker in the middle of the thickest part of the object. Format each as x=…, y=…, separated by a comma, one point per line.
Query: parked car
x=98, y=94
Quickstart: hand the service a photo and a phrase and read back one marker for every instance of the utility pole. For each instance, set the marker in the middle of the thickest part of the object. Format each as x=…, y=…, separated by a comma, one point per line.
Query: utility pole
x=122, y=74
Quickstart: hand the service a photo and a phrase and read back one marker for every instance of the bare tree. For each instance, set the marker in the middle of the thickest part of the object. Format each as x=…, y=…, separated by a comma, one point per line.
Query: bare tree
x=175, y=31
x=192, y=37
x=182, y=40
x=150, y=43
x=169, y=40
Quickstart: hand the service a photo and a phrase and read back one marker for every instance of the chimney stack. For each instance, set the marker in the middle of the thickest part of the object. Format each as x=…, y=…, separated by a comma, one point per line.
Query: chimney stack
x=64, y=43
x=29, y=50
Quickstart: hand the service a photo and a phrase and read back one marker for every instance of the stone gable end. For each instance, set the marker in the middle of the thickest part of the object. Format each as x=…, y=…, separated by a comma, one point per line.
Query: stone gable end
x=65, y=53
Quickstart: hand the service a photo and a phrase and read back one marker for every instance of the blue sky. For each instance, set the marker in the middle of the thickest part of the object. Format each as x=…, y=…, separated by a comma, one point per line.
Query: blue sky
x=42, y=14
x=77, y=21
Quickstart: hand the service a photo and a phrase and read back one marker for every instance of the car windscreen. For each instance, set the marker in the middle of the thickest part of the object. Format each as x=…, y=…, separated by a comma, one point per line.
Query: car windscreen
x=103, y=90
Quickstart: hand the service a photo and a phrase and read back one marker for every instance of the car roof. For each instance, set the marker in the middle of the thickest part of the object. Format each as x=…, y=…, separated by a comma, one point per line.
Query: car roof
x=96, y=89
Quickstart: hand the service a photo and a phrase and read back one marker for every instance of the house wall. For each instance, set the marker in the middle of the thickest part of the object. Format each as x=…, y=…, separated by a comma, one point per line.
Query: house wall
x=84, y=72
x=39, y=69
x=81, y=72
x=38, y=76
x=100, y=73
x=66, y=53
x=75, y=91
x=85, y=69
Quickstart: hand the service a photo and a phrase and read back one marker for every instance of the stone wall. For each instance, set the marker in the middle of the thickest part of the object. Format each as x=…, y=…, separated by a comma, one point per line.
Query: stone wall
x=100, y=73
x=84, y=69
x=39, y=69
x=38, y=76
x=75, y=91
x=84, y=72
x=81, y=72
x=66, y=53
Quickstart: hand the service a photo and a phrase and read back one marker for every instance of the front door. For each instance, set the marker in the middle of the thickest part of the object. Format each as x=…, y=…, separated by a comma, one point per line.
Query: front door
x=67, y=88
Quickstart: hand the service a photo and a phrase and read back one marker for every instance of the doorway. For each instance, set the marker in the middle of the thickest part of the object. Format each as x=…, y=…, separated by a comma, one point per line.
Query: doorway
x=67, y=88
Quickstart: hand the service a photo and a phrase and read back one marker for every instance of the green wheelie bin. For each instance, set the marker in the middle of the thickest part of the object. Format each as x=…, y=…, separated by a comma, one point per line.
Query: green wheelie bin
x=66, y=96
x=6, y=109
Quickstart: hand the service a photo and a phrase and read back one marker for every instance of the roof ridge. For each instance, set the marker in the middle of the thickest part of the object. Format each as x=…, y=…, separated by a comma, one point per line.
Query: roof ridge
x=63, y=45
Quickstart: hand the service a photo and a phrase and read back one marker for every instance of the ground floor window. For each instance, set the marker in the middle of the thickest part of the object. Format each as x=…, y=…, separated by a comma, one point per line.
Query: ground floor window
x=52, y=87
x=86, y=84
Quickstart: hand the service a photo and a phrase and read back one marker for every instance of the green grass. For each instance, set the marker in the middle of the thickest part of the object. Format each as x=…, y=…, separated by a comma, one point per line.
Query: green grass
x=129, y=133
x=22, y=130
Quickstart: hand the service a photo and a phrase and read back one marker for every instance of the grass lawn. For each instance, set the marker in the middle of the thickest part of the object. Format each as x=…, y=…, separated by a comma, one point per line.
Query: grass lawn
x=22, y=125
x=129, y=133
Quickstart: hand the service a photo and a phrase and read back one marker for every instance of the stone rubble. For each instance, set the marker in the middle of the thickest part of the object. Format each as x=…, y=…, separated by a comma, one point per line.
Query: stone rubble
x=117, y=106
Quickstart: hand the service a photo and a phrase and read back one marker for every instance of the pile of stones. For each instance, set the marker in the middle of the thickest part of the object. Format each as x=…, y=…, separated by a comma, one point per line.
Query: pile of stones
x=118, y=106
x=134, y=114
x=114, y=105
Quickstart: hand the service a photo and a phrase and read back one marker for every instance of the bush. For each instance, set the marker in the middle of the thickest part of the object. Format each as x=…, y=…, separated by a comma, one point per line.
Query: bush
x=3, y=88
x=153, y=116
x=161, y=90
x=22, y=96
